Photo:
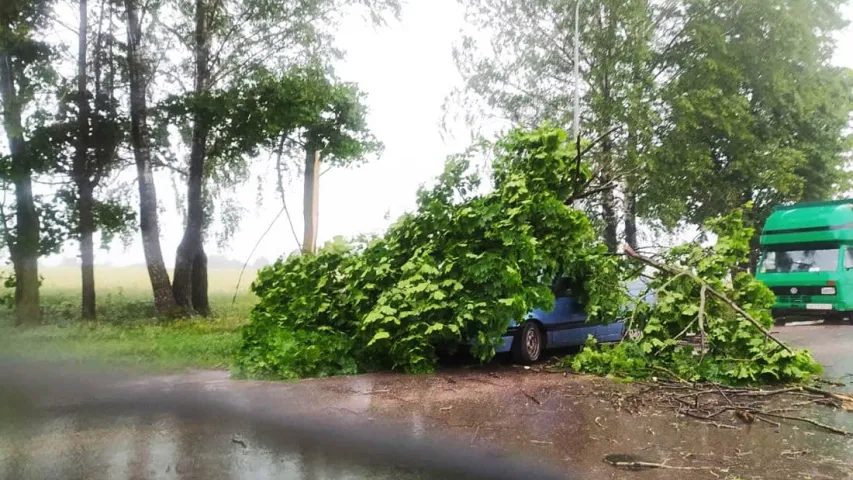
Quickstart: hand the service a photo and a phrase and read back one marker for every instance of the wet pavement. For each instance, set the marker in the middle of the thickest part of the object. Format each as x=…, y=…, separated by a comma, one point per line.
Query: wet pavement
x=567, y=422
x=831, y=345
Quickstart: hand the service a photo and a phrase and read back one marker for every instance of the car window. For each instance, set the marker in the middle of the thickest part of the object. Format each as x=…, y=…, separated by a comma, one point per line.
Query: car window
x=848, y=258
x=562, y=287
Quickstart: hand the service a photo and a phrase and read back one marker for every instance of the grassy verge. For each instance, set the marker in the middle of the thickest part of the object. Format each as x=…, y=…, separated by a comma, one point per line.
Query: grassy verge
x=127, y=332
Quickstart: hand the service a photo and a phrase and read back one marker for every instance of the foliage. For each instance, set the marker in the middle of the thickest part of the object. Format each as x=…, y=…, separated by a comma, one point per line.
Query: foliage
x=458, y=269
x=251, y=73
x=524, y=74
x=704, y=127
x=300, y=103
x=735, y=351
x=738, y=130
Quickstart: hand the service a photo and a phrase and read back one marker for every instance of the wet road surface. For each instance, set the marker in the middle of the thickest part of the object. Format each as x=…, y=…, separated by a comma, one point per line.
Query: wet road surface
x=564, y=421
x=831, y=345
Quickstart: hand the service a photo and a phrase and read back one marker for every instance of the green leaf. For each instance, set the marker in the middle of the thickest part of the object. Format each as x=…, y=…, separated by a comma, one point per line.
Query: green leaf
x=380, y=335
x=434, y=328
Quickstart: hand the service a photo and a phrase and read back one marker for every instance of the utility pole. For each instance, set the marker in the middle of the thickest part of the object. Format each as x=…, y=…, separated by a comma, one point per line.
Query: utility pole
x=577, y=113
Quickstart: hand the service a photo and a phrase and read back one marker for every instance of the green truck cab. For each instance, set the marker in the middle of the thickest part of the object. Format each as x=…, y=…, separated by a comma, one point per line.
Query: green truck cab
x=807, y=260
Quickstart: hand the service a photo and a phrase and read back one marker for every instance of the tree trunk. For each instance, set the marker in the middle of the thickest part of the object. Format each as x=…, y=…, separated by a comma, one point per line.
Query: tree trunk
x=81, y=174
x=87, y=250
x=311, y=200
x=190, y=283
x=608, y=200
x=630, y=217
x=191, y=250
x=24, y=249
x=611, y=221
x=199, y=286
x=148, y=221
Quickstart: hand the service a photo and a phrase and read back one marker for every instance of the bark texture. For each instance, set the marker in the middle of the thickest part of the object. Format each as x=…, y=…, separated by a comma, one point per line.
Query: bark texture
x=24, y=244
x=190, y=283
x=164, y=302
x=85, y=202
x=311, y=200
x=630, y=217
x=608, y=202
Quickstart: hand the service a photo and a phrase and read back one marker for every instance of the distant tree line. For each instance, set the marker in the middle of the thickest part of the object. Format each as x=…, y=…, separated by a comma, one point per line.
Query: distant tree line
x=223, y=80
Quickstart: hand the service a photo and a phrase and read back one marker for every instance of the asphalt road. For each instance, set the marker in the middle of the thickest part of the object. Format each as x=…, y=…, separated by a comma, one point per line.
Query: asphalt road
x=486, y=415
x=832, y=346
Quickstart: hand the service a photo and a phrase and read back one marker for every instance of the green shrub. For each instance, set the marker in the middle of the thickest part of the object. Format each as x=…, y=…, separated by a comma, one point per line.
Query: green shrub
x=459, y=268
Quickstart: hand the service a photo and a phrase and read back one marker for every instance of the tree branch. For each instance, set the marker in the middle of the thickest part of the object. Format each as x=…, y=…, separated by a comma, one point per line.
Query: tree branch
x=249, y=258
x=281, y=189
x=159, y=164
x=674, y=270
x=576, y=195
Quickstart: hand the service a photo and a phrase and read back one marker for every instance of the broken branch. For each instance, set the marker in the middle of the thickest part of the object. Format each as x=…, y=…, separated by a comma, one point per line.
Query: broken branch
x=675, y=271
x=635, y=465
x=531, y=397
x=807, y=420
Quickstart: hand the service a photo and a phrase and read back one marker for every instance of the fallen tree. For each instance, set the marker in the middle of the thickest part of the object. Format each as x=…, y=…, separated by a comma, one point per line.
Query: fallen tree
x=710, y=320
x=458, y=269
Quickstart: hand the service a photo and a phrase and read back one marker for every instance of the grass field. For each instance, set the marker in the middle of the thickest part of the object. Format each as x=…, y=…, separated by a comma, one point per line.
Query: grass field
x=127, y=331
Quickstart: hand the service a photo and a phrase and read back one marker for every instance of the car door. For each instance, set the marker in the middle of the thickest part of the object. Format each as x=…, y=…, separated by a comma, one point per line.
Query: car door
x=567, y=325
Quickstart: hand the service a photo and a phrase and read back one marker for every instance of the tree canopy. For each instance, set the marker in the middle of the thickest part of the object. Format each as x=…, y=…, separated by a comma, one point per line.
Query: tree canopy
x=705, y=105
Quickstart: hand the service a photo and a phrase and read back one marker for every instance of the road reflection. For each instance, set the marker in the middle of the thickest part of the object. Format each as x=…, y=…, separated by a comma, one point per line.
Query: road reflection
x=164, y=447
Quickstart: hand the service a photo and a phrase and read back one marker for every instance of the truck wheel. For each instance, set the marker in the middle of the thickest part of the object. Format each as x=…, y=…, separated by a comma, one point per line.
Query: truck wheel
x=527, y=344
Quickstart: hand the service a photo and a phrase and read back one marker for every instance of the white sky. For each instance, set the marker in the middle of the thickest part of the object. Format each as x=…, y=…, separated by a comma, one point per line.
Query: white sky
x=407, y=70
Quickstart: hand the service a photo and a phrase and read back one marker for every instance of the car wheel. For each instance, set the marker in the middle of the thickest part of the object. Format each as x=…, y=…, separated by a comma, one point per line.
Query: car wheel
x=527, y=344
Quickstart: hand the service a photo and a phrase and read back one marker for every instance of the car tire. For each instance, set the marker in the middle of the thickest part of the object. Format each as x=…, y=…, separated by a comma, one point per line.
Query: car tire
x=528, y=344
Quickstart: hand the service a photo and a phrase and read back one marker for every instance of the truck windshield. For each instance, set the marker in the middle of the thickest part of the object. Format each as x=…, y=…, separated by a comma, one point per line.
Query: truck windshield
x=787, y=261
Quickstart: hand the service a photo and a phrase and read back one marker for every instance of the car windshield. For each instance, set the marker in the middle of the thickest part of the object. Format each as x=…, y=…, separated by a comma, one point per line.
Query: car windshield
x=787, y=261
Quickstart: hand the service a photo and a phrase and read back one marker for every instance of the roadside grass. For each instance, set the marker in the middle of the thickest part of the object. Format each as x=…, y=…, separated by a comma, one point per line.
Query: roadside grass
x=128, y=332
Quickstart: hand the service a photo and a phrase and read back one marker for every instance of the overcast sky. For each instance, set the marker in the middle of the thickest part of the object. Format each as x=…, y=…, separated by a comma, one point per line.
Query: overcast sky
x=407, y=70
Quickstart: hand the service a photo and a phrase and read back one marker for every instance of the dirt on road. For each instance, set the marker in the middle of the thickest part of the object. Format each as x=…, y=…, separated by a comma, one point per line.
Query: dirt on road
x=569, y=422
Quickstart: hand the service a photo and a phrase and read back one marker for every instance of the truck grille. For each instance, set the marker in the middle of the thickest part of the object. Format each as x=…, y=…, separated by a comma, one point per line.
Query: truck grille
x=793, y=299
x=801, y=291
x=804, y=295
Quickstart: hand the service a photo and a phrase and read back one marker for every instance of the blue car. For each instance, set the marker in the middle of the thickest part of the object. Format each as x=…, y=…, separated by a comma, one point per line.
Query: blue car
x=564, y=326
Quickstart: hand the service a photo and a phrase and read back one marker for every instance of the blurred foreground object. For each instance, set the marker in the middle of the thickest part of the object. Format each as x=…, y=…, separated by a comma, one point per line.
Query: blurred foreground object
x=32, y=394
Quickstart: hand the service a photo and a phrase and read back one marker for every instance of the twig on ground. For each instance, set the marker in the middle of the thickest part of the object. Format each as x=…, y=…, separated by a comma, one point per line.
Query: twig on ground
x=795, y=453
x=371, y=392
x=635, y=465
x=531, y=397
x=722, y=425
x=808, y=420
x=598, y=422
x=709, y=422
x=767, y=393
x=719, y=389
x=771, y=422
x=476, y=431
x=541, y=442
